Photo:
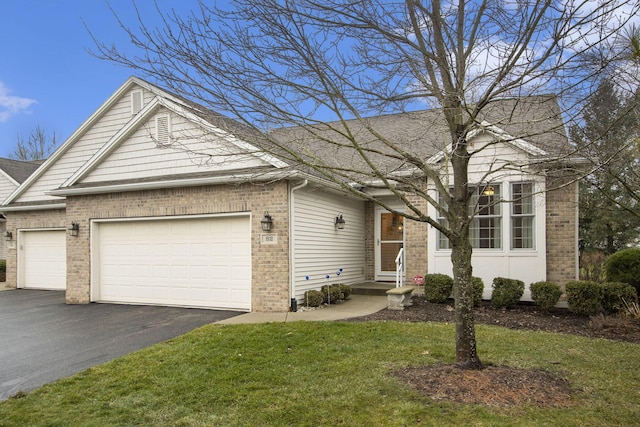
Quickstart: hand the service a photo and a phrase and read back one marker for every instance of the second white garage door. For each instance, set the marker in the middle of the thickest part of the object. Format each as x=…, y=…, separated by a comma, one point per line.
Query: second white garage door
x=42, y=260
x=197, y=262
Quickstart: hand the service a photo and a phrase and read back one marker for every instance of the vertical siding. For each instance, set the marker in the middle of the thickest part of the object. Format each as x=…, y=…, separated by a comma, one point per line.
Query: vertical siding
x=77, y=154
x=192, y=150
x=319, y=250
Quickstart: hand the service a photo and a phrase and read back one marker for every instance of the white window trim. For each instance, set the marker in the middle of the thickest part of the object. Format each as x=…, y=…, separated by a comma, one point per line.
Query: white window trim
x=532, y=216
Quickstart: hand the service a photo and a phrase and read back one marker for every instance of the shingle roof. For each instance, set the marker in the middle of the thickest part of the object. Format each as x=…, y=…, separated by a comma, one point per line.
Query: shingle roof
x=424, y=133
x=17, y=169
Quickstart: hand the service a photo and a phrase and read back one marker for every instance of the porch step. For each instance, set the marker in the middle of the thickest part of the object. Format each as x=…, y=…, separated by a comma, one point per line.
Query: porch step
x=372, y=288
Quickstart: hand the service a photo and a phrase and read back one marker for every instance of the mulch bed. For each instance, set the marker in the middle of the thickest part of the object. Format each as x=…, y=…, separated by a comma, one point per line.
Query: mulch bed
x=503, y=385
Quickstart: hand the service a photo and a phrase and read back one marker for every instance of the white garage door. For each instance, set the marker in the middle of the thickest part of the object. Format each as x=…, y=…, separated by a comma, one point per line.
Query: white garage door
x=197, y=262
x=42, y=259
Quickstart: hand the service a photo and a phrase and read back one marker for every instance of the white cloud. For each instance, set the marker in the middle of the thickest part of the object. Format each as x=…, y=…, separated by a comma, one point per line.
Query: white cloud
x=12, y=105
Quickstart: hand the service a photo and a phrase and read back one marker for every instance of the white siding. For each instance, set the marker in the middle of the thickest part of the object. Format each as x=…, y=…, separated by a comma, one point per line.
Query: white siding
x=191, y=150
x=94, y=138
x=528, y=265
x=319, y=249
x=6, y=187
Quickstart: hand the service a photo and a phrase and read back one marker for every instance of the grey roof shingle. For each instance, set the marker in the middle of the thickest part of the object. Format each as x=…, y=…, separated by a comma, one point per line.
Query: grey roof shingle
x=17, y=169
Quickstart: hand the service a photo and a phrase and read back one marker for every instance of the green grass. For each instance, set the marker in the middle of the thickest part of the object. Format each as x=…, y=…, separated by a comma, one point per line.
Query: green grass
x=328, y=374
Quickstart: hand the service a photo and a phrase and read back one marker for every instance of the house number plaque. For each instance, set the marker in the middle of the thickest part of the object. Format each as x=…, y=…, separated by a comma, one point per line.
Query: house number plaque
x=269, y=239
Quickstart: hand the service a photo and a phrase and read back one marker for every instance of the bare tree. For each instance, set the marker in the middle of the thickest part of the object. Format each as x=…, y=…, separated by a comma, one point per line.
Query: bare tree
x=37, y=146
x=327, y=67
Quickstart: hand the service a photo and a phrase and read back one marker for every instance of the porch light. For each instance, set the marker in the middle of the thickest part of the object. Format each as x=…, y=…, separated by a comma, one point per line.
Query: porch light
x=74, y=229
x=8, y=235
x=489, y=190
x=340, y=222
x=267, y=222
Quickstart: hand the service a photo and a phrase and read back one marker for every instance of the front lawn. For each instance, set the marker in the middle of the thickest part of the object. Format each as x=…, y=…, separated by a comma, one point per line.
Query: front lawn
x=328, y=374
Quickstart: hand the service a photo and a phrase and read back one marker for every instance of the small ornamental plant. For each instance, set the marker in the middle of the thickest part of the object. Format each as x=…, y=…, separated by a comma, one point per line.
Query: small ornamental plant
x=545, y=294
x=313, y=298
x=584, y=297
x=506, y=292
x=614, y=294
x=437, y=287
x=478, y=290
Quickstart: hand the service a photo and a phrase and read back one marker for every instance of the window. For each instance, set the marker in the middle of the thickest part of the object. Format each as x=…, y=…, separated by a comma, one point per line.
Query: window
x=522, y=215
x=162, y=130
x=136, y=102
x=485, y=230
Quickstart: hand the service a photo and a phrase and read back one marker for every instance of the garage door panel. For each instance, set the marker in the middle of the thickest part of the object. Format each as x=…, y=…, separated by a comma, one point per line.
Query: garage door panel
x=203, y=262
x=43, y=259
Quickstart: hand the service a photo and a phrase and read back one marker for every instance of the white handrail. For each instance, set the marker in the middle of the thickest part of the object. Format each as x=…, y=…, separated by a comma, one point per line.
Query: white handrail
x=400, y=268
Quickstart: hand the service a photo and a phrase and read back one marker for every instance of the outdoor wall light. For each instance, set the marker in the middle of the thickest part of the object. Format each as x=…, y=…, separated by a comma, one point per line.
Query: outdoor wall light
x=489, y=190
x=267, y=222
x=8, y=235
x=340, y=222
x=74, y=229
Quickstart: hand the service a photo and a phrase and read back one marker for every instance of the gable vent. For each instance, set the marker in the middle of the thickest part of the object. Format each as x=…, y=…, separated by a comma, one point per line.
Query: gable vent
x=136, y=102
x=162, y=130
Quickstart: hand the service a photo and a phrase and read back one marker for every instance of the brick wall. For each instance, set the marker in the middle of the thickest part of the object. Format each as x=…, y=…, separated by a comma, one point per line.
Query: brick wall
x=369, y=241
x=562, y=229
x=41, y=219
x=416, y=243
x=270, y=263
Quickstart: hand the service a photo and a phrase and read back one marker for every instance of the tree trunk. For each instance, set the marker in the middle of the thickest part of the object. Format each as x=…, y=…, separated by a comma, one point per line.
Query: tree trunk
x=466, y=353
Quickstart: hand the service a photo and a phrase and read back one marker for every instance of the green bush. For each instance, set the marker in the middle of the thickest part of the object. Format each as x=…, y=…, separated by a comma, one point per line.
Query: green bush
x=584, y=297
x=437, y=287
x=545, y=294
x=624, y=266
x=313, y=298
x=506, y=292
x=345, y=289
x=3, y=266
x=478, y=290
x=613, y=294
x=332, y=293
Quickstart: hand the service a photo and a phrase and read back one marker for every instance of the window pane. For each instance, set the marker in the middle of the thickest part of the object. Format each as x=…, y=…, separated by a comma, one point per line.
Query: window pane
x=485, y=233
x=522, y=216
x=392, y=226
x=443, y=241
x=522, y=232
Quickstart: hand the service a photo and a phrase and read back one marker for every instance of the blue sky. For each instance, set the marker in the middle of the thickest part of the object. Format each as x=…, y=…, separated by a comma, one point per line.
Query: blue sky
x=47, y=77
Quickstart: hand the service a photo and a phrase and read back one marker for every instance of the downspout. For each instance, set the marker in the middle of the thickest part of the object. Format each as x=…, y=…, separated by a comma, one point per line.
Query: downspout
x=292, y=268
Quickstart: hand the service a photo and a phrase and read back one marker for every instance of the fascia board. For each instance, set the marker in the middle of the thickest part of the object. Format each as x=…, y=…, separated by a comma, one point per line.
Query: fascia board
x=131, y=81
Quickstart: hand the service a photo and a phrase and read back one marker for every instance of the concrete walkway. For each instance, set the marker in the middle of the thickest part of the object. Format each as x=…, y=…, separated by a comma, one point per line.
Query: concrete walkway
x=355, y=306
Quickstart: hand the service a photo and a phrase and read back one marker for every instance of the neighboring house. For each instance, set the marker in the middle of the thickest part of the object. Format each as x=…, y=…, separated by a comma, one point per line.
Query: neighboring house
x=155, y=200
x=12, y=174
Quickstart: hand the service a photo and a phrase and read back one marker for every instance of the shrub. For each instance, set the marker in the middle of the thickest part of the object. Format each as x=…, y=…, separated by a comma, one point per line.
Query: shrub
x=584, y=297
x=506, y=292
x=437, y=287
x=345, y=290
x=332, y=293
x=545, y=294
x=3, y=266
x=313, y=298
x=614, y=293
x=624, y=266
x=478, y=290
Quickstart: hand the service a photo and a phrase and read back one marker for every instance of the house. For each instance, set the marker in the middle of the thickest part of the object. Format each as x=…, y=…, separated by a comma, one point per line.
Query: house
x=12, y=174
x=155, y=200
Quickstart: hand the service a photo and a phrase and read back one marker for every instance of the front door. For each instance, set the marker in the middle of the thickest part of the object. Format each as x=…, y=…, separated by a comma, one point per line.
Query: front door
x=389, y=241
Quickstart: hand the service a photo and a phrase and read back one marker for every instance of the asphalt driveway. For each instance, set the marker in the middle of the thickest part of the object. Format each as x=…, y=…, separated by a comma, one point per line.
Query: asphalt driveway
x=42, y=339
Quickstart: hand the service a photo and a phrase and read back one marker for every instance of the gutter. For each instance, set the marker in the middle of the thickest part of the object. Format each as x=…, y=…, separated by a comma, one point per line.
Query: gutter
x=292, y=269
x=33, y=207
